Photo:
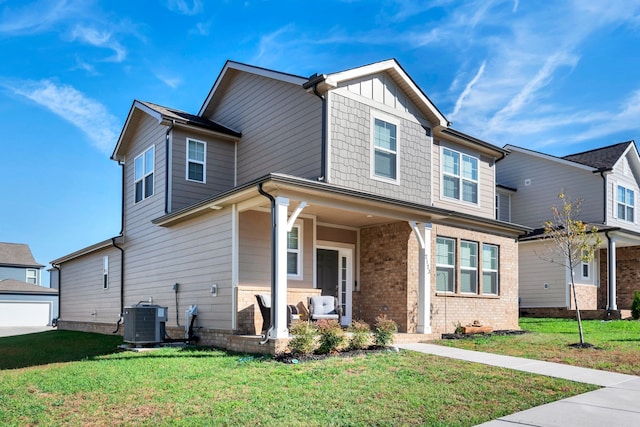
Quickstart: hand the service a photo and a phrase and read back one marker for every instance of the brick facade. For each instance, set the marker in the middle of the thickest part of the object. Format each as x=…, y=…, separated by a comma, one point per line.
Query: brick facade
x=627, y=277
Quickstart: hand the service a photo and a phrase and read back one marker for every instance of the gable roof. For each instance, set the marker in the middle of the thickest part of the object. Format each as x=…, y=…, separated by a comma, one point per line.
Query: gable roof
x=17, y=255
x=560, y=160
x=601, y=158
x=11, y=286
x=326, y=82
x=169, y=116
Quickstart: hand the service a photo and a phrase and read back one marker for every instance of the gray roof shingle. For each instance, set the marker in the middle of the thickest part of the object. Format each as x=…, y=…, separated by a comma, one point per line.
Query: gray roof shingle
x=17, y=255
x=184, y=117
x=601, y=158
x=11, y=286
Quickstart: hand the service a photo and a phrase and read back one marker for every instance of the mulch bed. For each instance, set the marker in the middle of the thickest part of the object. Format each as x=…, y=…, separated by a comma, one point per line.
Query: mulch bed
x=300, y=358
x=483, y=334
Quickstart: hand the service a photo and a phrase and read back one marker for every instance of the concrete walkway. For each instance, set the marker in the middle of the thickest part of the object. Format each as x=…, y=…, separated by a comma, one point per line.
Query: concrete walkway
x=9, y=331
x=615, y=404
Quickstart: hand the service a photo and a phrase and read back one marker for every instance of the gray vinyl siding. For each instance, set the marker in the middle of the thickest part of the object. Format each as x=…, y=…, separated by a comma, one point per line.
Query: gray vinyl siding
x=622, y=175
x=534, y=272
x=351, y=151
x=19, y=273
x=281, y=126
x=486, y=182
x=219, y=166
x=531, y=204
x=255, y=251
x=83, y=297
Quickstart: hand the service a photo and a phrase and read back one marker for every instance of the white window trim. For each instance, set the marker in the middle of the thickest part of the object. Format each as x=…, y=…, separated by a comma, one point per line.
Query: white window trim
x=300, y=251
x=203, y=163
x=474, y=269
x=452, y=267
x=617, y=202
x=460, y=177
x=394, y=121
x=490, y=270
x=105, y=272
x=499, y=206
x=144, y=175
x=34, y=276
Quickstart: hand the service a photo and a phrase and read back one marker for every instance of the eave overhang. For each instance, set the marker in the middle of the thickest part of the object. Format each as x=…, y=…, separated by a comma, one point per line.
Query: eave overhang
x=89, y=249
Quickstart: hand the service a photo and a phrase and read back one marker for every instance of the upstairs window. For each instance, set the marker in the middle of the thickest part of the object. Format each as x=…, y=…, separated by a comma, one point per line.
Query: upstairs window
x=294, y=252
x=459, y=176
x=503, y=207
x=105, y=272
x=196, y=160
x=385, y=150
x=32, y=276
x=626, y=204
x=143, y=176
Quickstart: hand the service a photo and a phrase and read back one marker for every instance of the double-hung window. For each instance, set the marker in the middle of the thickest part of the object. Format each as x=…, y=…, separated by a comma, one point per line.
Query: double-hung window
x=585, y=266
x=32, y=276
x=105, y=272
x=385, y=150
x=143, y=175
x=445, y=264
x=626, y=204
x=294, y=252
x=196, y=160
x=468, y=267
x=489, y=269
x=459, y=176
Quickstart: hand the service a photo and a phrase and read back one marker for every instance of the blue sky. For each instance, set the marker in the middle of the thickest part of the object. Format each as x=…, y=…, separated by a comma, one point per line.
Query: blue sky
x=557, y=76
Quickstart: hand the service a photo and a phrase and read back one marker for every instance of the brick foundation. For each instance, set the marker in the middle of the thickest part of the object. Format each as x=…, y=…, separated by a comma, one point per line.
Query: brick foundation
x=587, y=297
x=627, y=277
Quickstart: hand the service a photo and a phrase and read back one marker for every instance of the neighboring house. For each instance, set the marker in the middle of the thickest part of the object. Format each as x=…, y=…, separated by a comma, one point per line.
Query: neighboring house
x=607, y=182
x=357, y=179
x=23, y=302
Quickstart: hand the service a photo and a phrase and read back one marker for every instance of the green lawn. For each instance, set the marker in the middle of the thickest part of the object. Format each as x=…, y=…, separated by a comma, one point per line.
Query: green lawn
x=617, y=342
x=70, y=378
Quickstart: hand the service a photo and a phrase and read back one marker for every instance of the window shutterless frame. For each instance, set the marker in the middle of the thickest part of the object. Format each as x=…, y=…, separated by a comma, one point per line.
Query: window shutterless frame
x=105, y=272
x=144, y=166
x=385, y=148
x=294, y=252
x=459, y=176
x=445, y=264
x=196, y=160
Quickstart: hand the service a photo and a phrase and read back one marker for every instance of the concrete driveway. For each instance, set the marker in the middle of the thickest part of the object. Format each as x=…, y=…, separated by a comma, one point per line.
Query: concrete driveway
x=9, y=331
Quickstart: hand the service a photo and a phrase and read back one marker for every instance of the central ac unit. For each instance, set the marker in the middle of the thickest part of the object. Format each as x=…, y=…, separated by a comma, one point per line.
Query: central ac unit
x=144, y=324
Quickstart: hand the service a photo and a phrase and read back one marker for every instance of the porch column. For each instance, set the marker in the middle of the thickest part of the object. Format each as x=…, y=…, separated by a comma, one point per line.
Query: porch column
x=423, y=234
x=611, y=305
x=279, y=291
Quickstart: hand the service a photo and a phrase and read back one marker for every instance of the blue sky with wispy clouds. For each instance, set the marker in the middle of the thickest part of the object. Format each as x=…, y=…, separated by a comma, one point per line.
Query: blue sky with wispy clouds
x=557, y=76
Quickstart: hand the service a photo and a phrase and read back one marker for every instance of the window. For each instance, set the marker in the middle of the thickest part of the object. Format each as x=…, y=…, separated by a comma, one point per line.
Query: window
x=143, y=175
x=503, y=207
x=585, y=266
x=445, y=264
x=459, y=176
x=32, y=276
x=468, y=267
x=385, y=153
x=105, y=272
x=196, y=160
x=294, y=252
x=489, y=269
x=626, y=204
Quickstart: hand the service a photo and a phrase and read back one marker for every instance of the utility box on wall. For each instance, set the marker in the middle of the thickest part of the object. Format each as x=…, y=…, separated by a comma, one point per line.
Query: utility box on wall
x=144, y=324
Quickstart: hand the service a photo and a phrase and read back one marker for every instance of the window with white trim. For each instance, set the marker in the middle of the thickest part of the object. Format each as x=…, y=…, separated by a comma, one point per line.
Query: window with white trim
x=459, y=176
x=625, y=204
x=32, y=276
x=585, y=266
x=105, y=272
x=489, y=269
x=144, y=166
x=468, y=267
x=294, y=252
x=196, y=160
x=385, y=150
x=445, y=264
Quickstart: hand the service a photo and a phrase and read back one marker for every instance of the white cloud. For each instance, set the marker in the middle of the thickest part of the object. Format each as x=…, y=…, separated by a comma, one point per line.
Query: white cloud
x=102, y=39
x=88, y=115
x=38, y=16
x=172, y=82
x=467, y=89
x=185, y=7
x=201, y=29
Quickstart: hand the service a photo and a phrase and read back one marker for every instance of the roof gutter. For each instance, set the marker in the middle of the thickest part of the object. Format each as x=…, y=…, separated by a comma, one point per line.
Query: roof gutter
x=313, y=85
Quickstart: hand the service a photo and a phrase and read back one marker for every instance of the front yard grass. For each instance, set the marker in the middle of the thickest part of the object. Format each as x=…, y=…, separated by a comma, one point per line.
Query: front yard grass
x=617, y=342
x=86, y=385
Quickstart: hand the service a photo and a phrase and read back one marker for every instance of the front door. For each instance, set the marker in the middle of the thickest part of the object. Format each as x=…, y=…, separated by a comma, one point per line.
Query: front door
x=335, y=277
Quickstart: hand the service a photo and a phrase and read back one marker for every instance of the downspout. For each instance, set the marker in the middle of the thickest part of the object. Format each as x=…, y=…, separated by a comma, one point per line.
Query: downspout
x=57, y=267
x=604, y=195
x=323, y=154
x=113, y=242
x=166, y=166
x=273, y=262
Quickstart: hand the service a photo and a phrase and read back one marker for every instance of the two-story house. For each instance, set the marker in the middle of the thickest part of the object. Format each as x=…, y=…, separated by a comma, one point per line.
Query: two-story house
x=350, y=184
x=607, y=181
x=23, y=301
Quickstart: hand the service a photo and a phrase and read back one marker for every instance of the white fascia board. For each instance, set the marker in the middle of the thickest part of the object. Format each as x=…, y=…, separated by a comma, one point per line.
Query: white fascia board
x=137, y=105
x=549, y=157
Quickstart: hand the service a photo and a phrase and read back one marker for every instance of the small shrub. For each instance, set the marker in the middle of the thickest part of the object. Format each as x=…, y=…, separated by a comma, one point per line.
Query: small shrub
x=635, y=305
x=332, y=337
x=383, y=331
x=360, y=335
x=459, y=328
x=304, y=338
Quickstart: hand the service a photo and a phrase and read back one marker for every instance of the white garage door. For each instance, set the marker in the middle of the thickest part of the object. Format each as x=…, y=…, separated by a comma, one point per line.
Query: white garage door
x=18, y=313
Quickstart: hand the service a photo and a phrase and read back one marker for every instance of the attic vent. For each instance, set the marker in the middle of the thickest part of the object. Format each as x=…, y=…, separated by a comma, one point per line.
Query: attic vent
x=527, y=182
x=144, y=324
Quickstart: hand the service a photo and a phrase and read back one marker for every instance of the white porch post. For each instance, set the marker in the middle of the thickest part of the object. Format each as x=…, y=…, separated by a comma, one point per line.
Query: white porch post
x=279, y=297
x=612, y=306
x=423, y=234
